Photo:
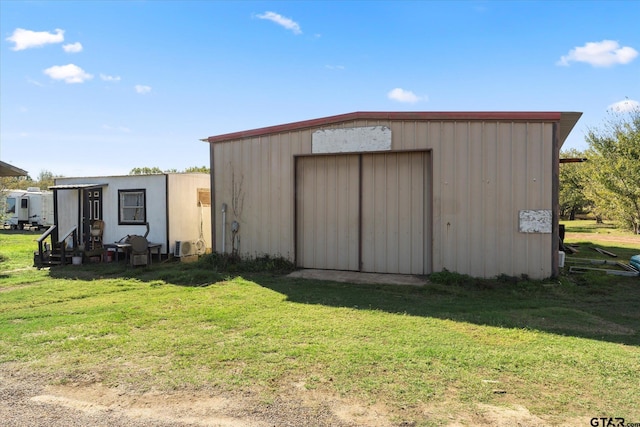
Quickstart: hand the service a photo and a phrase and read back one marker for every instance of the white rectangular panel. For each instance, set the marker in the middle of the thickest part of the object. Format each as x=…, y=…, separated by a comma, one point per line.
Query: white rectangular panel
x=535, y=221
x=351, y=140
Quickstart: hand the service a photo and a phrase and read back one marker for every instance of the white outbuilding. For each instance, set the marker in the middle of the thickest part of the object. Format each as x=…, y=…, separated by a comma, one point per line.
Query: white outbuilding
x=169, y=209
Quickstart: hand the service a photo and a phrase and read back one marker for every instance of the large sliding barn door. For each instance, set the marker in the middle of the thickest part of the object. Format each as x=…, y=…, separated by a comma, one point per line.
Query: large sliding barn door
x=327, y=212
x=363, y=212
x=393, y=213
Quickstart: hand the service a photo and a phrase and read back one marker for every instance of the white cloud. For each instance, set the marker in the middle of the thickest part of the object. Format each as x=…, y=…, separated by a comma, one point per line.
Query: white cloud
x=116, y=128
x=25, y=39
x=625, y=106
x=283, y=21
x=600, y=54
x=401, y=95
x=72, y=47
x=335, y=67
x=70, y=73
x=142, y=89
x=108, y=78
x=34, y=82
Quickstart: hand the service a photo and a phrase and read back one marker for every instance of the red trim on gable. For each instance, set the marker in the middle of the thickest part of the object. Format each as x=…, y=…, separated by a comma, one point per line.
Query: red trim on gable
x=390, y=115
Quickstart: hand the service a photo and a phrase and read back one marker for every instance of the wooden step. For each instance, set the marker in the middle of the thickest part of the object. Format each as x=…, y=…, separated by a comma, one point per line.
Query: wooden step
x=52, y=259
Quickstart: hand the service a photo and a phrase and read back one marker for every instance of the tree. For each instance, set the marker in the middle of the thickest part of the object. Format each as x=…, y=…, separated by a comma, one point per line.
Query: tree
x=197, y=169
x=613, y=172
x=156, y=170
x=44, y=181
x=145, y=171
x=572, y=193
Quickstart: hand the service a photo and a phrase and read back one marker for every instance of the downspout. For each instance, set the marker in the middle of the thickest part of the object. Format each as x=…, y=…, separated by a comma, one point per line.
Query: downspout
x=212, y=184
x=360, y=207
x=166, y=208
x=224, y=222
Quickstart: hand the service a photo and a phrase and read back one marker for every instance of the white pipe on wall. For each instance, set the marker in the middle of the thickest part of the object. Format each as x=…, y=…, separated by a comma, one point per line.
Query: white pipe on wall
x=224, y=225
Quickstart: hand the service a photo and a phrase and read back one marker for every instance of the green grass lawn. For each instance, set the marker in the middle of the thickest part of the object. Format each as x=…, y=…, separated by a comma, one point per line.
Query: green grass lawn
x=592, y=226
x=586, y=236
x=561, y=348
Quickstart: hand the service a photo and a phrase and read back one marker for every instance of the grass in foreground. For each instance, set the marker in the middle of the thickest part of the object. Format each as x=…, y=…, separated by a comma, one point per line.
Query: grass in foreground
x=559, y=348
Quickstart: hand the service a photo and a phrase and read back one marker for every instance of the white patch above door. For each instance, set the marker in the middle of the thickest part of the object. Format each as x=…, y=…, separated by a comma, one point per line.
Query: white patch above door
x=351, y=140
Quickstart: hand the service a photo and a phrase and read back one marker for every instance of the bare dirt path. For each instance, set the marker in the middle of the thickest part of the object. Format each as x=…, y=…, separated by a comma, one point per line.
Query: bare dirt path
x=29, y=400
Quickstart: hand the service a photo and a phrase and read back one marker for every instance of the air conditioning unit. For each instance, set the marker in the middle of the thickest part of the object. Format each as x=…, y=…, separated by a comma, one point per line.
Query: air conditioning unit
x=184, y=248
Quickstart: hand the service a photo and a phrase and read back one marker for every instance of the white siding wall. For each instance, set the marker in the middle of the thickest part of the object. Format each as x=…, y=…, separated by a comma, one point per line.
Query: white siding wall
x=155, y=186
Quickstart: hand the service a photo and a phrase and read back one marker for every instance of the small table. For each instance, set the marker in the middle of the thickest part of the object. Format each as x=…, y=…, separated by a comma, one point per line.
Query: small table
x=154, y=247
x=124, y=247
x=126, y=250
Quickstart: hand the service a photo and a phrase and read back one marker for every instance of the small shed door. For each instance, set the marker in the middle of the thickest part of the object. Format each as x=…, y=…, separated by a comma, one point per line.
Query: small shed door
x=327, y=212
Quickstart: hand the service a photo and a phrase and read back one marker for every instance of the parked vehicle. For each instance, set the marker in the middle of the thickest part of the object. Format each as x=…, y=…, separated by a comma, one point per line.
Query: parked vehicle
x=27, y=208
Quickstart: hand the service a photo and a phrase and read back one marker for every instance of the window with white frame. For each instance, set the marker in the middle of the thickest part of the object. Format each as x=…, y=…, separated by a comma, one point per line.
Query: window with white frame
x=132, y=207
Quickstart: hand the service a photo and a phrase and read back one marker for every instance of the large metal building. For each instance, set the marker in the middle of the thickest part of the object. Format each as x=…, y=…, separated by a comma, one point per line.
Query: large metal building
x=395, y=192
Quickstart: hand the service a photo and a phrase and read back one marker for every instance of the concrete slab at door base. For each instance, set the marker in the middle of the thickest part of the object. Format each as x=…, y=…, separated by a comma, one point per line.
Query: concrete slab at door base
x=357, y=277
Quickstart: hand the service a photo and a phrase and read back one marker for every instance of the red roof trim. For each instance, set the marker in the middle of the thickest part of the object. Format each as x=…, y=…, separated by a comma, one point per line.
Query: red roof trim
x=390, y=115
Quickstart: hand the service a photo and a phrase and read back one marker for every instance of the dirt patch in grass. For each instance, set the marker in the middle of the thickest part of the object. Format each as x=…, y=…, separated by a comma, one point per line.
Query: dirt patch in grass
x=33, y=400
x=517, y=415
x=29, y=399
x=571, y=319
x=294, y=406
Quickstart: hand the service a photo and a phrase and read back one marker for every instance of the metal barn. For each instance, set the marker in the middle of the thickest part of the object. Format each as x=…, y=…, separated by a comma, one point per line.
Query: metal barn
x=395, y=192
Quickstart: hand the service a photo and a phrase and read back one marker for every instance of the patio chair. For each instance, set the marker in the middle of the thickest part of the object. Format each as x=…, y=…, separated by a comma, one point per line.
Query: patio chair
x=97, y=230
x=139, y=250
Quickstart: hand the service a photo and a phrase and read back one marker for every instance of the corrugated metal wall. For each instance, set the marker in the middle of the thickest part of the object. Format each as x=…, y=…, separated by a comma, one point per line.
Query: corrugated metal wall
x=483, y=174
x=258, y=174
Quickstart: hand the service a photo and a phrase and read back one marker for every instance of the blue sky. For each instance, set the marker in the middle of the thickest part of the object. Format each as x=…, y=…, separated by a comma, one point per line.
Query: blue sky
x=99, y=87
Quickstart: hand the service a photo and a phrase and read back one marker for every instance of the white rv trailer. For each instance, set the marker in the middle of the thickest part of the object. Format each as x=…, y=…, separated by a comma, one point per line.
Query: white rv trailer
x=27, y=208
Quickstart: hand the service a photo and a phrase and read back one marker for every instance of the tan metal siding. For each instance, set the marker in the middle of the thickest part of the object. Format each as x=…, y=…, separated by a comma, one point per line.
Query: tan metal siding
x=475, y=198
x=487, y=233
x=264, y=168
x=327, y=213
x=482, y=172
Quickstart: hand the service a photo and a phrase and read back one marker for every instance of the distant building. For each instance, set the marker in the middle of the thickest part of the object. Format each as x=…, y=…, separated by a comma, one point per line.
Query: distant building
x=9, y=170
